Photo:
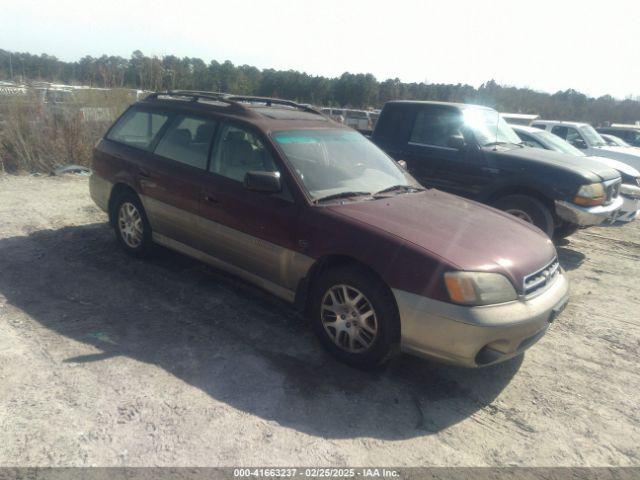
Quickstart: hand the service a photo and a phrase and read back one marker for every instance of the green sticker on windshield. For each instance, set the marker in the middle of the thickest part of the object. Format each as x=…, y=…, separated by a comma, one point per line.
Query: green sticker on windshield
x=296, y=139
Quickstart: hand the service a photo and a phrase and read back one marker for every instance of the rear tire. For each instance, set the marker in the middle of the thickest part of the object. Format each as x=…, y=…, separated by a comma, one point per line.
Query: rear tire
x=355, y=317
x=130, y=224
x=529, y=209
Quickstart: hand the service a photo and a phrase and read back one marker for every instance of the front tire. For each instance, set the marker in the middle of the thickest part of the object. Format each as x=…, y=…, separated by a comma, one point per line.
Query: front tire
x=529, y=209
x=131, y=226
x=355, y=317
x=564, y=230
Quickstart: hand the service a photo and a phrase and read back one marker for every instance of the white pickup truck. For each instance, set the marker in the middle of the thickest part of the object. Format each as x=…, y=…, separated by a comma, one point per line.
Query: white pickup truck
x=585, y=137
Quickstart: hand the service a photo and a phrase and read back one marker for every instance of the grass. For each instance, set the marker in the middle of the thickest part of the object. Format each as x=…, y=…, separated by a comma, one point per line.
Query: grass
x=37, y=136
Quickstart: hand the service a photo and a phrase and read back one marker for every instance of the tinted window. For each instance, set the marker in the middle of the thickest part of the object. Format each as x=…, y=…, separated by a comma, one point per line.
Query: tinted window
x=435, y=126
x=633, y=137
x=137, y=128
x=573, y=135
x=539, y=125
x=394, y=124
x=239, y=151
x=560, y=131
x=187, y=141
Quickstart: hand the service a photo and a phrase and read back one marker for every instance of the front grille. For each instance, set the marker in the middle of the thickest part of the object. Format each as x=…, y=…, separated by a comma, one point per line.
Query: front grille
x=541, y=278
x=611, y=191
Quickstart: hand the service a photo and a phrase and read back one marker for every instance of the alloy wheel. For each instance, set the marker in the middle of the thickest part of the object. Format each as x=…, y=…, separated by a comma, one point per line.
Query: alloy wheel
x=130, y=225
x=349, y=318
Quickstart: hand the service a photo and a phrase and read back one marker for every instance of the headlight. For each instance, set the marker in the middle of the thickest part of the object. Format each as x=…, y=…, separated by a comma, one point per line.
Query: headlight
x=588, y=195
x=479, y=288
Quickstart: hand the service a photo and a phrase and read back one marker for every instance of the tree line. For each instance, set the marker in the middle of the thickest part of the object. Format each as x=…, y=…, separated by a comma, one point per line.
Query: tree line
x=349, y=90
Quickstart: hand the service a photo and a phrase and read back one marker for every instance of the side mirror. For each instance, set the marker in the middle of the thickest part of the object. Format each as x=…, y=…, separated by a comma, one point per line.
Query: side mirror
x=263, y=182
x=456, y=141
x=402, y=164
x=579, y=143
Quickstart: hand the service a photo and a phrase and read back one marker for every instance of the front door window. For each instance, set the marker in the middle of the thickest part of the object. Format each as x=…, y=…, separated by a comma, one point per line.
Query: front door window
x=239, y=151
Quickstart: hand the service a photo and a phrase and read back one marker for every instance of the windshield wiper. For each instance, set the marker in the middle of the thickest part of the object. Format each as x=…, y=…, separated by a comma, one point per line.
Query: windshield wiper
x=341, y=195
x=405, y=188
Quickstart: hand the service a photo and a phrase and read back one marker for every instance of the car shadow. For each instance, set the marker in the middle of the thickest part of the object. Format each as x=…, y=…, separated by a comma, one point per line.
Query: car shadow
x=232, y=341
x=569, y=258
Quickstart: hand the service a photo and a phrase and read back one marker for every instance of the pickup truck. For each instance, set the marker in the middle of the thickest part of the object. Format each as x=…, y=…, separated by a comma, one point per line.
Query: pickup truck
x=471, y=151
x=584, y=137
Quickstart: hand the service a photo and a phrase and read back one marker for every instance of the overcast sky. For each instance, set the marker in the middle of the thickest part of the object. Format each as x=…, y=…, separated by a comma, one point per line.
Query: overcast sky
x=593, y=47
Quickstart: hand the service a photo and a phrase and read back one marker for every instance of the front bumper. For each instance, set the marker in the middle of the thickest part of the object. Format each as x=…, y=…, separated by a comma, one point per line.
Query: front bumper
x=630, y=203
x=588, y=216
x=477, y=336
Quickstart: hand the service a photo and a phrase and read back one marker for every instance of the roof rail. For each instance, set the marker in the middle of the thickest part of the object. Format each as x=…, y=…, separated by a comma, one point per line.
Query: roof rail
x=235, y=100
x=268, y=101
x=194, y=95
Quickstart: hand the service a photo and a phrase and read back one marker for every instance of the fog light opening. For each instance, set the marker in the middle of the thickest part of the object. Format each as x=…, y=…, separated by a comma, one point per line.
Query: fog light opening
x=488, y=355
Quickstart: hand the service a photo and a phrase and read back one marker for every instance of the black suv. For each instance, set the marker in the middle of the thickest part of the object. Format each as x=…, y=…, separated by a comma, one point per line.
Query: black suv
x=471, y=151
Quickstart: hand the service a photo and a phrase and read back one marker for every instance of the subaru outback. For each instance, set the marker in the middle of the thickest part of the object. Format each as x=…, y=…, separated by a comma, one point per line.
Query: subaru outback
x=313, y=212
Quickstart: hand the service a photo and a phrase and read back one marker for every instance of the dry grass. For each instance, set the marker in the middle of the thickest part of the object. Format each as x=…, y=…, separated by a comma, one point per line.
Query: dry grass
x=37, y=136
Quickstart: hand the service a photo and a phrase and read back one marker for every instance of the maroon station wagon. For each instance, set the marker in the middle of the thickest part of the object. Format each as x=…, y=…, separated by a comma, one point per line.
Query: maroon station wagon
x=313, y=212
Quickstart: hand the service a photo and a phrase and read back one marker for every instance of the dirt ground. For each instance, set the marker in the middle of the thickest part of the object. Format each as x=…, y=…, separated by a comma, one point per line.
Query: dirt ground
x=106, y=360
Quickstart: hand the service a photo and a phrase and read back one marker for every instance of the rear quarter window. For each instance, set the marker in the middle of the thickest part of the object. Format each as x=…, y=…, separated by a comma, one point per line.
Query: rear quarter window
x=394, y=125
x=137, y=128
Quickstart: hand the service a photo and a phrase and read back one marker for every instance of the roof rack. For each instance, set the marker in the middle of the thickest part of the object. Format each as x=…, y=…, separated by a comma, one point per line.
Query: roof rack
x=268, y=101
x=234, y=100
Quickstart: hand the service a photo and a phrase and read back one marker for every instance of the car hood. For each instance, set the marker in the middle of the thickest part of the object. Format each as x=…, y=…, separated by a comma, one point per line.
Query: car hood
x=463, y=233
x=586, y=166
x=618, y=165
x=627, y=155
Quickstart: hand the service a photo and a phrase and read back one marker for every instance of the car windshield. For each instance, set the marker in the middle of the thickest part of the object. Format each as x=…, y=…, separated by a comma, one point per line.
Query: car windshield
x=616, y=141
x=558, y=144
x=489, y=127
x=592, y=137
x=335, y=162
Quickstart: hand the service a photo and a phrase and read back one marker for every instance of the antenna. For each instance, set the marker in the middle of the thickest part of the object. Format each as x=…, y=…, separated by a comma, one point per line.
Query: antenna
x=495, y=145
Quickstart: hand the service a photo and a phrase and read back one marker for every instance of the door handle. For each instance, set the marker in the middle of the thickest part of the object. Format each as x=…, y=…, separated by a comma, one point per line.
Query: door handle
x=211, y=199
x=144, y=173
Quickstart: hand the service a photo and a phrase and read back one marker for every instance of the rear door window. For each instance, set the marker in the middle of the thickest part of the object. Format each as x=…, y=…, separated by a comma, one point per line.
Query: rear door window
x=435, y=127
x=138, y=128
x=187, y=141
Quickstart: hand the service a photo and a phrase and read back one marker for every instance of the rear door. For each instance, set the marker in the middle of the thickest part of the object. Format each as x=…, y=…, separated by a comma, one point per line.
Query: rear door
x=249, y=230
x=131, y=143
x=174, y=186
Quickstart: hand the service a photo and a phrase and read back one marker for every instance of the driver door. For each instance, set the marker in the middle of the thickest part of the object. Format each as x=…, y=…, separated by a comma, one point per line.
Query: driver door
x=434, y=162
x=574, y=137
x=249, y=230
